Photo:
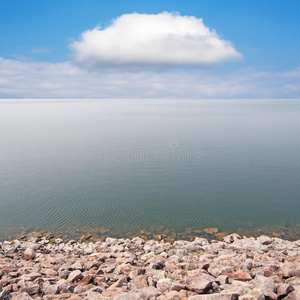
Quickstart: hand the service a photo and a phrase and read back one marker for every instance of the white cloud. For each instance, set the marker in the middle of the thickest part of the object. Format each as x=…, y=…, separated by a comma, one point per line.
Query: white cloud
x=165, y=39
x=64, y=80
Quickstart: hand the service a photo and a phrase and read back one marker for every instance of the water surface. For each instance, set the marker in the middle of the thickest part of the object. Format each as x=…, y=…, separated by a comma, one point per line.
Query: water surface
x=121, y=166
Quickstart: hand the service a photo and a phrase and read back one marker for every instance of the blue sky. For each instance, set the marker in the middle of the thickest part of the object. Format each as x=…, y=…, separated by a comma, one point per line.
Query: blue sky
x=39, y=34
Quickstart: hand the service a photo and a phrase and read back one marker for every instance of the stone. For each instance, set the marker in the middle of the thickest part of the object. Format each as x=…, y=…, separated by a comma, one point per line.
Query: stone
x=198, y=285
x=264, y=240
x=242, y=276
x=288, y=272
x=50, y=273
x=94, y=296
x=215, y=297
x=284, y=289
x=114, y=294
x=140, y=281
x=86, y=280
x=294, y=295
x=76, y=266
x=52, y=289
x=32, y=289
x=29, y=254
x=75, y=276
x=176, y=286
x=158, y=265
x=174, y=295
x=18, y=296
x=34, y=275
x=64, y=274
x=255, y=294
x=295, y=280
x=164, y=285
x=119, y=283
x=222, y=279
x=58, y=297
x=148, y=293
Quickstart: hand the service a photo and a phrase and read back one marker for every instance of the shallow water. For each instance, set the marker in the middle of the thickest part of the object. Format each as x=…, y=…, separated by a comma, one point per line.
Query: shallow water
x=121, y=166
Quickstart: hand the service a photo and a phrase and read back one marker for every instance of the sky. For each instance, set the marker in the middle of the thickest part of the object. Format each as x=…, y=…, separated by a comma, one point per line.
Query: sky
x=149, y=49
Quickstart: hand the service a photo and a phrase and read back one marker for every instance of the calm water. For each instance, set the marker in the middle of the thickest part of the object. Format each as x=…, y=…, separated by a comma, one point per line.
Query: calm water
x=165, y=165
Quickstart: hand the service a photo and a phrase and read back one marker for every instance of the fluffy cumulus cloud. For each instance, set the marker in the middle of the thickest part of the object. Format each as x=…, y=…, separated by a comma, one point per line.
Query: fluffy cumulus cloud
x=165, y=39
x=64, y=80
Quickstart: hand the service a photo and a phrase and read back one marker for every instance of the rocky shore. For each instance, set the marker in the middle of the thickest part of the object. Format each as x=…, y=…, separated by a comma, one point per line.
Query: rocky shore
x=129, y=269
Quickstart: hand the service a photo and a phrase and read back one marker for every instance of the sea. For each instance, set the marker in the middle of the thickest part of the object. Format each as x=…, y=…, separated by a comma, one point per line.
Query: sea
x=173, y=168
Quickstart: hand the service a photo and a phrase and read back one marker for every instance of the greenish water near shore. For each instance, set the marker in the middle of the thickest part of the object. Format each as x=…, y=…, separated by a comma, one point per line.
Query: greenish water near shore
x=151, y=165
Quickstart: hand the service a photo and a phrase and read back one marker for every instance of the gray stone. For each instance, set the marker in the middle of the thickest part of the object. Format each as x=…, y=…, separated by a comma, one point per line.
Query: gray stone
x=287, y=272
x=164, y=285
x=265, y=240
x=148, y=293
x=75, y=276
x=294, y=295
x=76, y=266
x=32, y=289
x=293, y=280
x=284, y=289
x=198, y=285
x=215, y=297
x=52, y=289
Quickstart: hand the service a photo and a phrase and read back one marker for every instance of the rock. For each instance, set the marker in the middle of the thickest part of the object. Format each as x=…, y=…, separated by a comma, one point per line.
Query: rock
x=200, y=241
x=32, y=289
x=114, y=294
x=75, y=276
x=288, y=272
x=60, y=296
x=231, y=238
x=86, y=280
x=119, y=283
x=293, y=280
x=294, y=295
x=264, y=240
x=176, y=286
x=181, y=252
x=140, y=281
x=173, y=295
x=29, y=254
x=52, y=289
x=148, y=293
x=34, y=275
x=19, y=296
x=164, y=285
x=284, y=289
x=198, y=285
x=94, y=296
x=64, y=274
x=222, y=279
x=50, y=273
x=158, y=265
x=255, y=294
x=215, y=297
x=76, y=266
x=242, y=276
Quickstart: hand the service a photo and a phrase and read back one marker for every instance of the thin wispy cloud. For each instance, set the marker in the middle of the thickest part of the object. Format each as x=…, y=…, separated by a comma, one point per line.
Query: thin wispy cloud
x=64, y=80
x=145, y=40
